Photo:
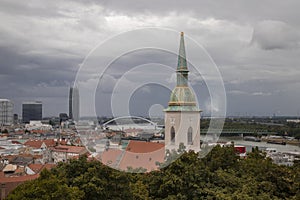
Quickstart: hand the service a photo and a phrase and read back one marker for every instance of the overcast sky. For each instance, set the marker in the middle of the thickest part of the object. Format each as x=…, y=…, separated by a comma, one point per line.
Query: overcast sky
x=255, y=44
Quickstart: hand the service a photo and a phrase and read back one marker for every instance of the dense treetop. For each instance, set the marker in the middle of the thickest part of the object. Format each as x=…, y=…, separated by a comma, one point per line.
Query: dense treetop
x=219, y=175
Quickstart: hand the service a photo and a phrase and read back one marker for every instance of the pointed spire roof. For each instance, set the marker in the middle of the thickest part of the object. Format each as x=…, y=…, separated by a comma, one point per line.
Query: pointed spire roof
x=182, y=97
x=182, y=64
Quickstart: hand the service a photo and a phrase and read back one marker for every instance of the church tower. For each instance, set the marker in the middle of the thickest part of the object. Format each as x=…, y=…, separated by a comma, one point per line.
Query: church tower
x=182, y=116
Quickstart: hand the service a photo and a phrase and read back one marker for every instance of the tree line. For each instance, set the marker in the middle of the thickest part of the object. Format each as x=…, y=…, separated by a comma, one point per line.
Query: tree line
x=219, y=175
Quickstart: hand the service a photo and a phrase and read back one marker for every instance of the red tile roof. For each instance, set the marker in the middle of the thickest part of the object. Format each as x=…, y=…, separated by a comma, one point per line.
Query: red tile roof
x=37, y=156
x=70, y=149
x=63, y=142
x=141, y=158
x=36, y=167
x=110, y=157
x=144, y=147
x=18, y=178
x=10, y=183
x=138, y=154
x=38, y=143
x=15, y=142
x=39, y=131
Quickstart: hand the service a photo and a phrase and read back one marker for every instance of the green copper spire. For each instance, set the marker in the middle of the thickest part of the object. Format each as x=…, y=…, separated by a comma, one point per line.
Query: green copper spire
x=182, y=97
x=181, y=56
x=182, y=70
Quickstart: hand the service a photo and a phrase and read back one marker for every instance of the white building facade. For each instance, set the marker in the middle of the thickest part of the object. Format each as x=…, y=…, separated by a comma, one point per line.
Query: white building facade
x=6, y=112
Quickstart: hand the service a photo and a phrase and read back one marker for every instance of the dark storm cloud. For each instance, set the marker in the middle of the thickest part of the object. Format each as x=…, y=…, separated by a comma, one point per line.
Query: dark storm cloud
x=36, y=69
x=255, y=44
x=140, y=57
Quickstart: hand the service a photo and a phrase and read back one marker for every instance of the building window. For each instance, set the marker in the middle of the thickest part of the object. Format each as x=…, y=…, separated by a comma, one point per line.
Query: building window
x=172, y=135
x=190, y=136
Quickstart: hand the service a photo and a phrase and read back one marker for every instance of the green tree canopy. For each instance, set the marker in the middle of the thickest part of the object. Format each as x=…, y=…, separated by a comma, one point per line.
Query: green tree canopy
x=219, y=175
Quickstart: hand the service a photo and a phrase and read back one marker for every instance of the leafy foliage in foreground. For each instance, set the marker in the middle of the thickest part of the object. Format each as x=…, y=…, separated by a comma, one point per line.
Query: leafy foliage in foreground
x=220, y=175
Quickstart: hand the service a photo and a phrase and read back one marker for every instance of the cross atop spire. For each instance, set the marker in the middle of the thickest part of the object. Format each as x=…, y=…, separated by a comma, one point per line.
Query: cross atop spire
x=182, y=65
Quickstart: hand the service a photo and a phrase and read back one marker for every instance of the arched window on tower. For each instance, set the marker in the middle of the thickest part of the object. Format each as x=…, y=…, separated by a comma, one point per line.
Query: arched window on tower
x=190, y=136
x=172, y=135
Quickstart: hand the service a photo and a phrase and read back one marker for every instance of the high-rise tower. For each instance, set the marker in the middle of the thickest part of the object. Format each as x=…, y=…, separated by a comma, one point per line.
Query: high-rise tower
x=6, y=112
x=74, y=103
x=182, y=116
x=32, y=110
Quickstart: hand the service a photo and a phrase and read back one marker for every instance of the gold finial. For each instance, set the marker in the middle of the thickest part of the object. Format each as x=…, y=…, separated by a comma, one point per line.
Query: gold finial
x=181, y=33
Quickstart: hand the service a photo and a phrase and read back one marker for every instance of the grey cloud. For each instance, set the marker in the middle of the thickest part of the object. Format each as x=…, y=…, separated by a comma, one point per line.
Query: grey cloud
x=107, y=83
x=243, y=92
x=31, y=8
x=243, y=11
x=42, y=44
x=270, y=35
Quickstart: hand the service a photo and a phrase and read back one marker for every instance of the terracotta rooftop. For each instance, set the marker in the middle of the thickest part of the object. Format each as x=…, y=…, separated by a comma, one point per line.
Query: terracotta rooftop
x=15, y=142
x=18, y=178
x=138, y=154
x=36, y=167
x=63, y=142
x=110, y=157
x=141, y=154
x=38, y=143
x=69, y=149
x=37, y=156
x=39, y=131
x=144, y=147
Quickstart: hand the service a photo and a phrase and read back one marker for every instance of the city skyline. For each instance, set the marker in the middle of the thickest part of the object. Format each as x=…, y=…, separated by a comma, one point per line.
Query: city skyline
x=139, y=99
x=256, y=51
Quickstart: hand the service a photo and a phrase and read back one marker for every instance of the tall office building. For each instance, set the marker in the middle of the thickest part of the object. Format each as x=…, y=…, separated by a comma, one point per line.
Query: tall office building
x=6, y=112
x=32, y=110
x=74, y=103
